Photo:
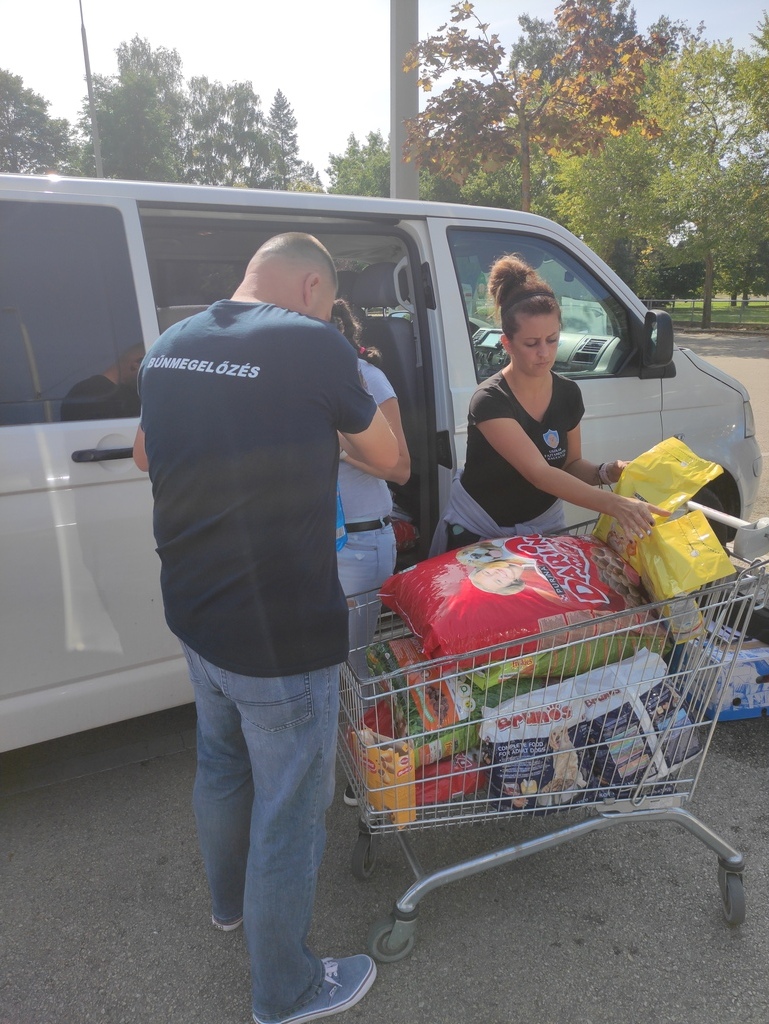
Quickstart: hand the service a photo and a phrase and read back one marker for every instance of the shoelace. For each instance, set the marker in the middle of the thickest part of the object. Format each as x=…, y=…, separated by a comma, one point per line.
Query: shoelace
x=332, y=969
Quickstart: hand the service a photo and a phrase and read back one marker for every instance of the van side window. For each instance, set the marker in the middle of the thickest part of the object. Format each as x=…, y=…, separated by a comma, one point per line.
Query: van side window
x=595, y=337
x=70, y=335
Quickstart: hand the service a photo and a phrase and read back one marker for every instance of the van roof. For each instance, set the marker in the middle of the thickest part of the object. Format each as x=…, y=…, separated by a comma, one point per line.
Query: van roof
x=290, y=202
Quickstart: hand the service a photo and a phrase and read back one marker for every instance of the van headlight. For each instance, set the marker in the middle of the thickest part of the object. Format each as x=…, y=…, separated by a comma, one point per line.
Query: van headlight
x=750, y=423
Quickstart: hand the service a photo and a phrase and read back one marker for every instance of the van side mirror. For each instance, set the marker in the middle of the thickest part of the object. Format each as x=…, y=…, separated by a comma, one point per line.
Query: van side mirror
x=657, y=349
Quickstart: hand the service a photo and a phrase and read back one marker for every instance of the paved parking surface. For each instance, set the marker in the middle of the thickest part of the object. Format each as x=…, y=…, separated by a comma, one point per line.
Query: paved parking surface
x=104, y=909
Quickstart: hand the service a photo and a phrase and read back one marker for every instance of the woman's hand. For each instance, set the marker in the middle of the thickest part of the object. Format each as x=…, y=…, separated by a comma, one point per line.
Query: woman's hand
x=634, y=516
x=613, y=470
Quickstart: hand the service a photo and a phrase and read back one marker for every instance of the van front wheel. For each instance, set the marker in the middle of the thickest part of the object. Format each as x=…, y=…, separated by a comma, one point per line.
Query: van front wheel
x=708, y=497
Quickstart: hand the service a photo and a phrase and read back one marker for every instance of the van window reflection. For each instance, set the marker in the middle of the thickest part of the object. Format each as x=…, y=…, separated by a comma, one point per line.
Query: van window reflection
x=107, y=395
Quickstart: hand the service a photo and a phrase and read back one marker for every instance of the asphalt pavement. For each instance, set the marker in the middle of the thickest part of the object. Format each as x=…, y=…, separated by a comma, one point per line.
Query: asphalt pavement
x=104, y=913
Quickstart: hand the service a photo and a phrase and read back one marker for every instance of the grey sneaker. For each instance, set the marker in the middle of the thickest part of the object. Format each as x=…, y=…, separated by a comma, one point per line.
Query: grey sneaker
x=345, y=984
x=229, y=927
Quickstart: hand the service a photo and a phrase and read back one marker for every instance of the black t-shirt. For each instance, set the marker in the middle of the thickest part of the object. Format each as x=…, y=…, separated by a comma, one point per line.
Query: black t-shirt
x=97, y=398
x=240, y=408
x=490, y=479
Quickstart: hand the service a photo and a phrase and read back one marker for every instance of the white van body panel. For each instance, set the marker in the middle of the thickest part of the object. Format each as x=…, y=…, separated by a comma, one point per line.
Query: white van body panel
x=82, y=630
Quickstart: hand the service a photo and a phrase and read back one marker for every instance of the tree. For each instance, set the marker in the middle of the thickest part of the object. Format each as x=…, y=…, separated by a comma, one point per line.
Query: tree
x=286, y=170
x=284, y=147
x=566, y=86
x=605, y=198
x=363, y=169
x=754, y=79
x=140, y=113
x=224, y=140
x=504, y=187
x=31, y=142
x=307, y=179
x=713, y=178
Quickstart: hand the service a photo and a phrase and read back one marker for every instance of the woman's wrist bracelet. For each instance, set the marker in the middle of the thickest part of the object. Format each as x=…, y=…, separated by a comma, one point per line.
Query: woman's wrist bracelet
x=603, y=475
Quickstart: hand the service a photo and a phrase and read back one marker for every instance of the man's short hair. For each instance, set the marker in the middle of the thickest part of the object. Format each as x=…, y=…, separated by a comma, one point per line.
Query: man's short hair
x=298, y=245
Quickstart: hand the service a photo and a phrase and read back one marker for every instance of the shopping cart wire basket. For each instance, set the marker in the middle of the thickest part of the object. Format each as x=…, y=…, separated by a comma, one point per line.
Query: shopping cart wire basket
x=613, y=724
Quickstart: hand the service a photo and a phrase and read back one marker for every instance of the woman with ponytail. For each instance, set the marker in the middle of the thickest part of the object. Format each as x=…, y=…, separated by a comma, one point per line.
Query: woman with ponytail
x=524, y=447
x=368, y=557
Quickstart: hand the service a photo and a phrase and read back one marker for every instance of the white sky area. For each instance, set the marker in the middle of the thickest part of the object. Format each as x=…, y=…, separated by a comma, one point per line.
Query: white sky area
x=331, y=59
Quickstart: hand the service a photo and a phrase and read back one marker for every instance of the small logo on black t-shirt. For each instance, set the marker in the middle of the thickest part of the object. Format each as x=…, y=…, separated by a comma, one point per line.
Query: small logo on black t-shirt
x=551, y=438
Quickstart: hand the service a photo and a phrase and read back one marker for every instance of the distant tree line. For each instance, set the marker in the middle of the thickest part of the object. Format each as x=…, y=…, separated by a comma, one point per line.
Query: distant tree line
x=154, y=126
x=654, y=149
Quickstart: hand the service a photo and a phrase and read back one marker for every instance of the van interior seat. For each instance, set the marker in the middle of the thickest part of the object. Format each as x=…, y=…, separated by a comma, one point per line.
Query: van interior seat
x=345, y=284
x=168, y=315
x=394, y=336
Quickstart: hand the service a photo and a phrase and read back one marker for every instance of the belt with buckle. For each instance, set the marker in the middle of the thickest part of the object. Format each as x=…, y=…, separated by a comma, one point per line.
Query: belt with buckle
x=371, y=524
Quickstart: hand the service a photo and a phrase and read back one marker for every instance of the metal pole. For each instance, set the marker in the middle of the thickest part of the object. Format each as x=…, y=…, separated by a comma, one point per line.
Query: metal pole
x=404, y=96
x=91, y=105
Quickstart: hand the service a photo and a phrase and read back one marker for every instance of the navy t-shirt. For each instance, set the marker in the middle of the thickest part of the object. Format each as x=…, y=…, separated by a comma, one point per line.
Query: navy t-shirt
x=501, y=490
x=240, y=408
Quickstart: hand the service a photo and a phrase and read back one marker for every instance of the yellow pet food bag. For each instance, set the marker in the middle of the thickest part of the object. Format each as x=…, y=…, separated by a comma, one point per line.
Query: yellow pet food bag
x=667, y=475
x=681, y=555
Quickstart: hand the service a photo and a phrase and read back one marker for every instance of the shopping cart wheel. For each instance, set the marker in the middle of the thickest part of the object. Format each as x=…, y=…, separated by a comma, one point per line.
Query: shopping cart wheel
x=733, y=894
x=364, y=857
x=380, y=934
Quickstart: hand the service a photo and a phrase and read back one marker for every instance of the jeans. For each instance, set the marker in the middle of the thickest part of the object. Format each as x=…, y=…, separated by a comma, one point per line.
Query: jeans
x=265, y=778
x=364, y=563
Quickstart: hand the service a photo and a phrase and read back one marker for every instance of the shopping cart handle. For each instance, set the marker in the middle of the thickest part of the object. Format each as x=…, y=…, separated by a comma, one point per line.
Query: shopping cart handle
x=751, y=540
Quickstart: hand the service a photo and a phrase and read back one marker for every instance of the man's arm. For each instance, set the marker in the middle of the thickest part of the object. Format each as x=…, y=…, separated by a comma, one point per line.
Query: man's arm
x=140, y=456
x=376, y=445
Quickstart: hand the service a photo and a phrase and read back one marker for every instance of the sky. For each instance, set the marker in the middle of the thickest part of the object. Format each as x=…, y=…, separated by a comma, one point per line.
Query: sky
x=330, y=59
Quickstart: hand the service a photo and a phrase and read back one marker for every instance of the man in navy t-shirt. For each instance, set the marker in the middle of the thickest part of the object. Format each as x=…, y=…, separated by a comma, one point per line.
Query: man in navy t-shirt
x=241, y=405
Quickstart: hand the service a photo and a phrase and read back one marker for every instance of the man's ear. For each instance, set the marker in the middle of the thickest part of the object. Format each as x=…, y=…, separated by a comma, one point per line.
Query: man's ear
x=310, y=287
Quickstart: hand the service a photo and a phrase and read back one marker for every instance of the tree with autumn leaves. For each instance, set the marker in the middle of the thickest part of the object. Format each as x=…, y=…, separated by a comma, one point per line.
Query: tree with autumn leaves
x=564, y=86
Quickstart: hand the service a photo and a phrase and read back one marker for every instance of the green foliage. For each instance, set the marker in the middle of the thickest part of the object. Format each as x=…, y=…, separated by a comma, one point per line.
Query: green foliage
x=363, y=169
x=711, y=185
x=284, y=147
x=224, y=139
x=31, y=142
x=140, y=114
x=604, y=198
x=286, y=171
x=754, y=75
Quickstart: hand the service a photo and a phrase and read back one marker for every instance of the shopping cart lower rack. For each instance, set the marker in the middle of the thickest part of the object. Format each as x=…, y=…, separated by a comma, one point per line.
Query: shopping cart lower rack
x=613, y=724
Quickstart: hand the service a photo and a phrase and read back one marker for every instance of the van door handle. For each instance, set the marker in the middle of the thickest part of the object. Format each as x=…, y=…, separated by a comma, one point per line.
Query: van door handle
x=101, y=454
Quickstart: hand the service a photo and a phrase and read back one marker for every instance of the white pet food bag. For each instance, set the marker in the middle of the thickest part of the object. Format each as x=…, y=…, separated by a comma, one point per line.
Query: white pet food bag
x=595, y=733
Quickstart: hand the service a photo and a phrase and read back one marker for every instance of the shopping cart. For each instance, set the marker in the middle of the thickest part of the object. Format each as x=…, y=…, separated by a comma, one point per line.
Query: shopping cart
x=615, y=728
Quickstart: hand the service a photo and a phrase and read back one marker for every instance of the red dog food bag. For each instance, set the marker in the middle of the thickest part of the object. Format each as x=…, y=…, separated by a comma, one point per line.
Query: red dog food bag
x=448, y=779
x=499, y=591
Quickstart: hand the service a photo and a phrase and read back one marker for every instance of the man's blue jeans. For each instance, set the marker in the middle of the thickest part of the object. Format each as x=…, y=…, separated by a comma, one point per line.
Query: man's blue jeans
x=265, y=778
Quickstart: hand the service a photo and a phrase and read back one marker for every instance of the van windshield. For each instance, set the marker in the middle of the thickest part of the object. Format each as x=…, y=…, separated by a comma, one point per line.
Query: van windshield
x=595, y=337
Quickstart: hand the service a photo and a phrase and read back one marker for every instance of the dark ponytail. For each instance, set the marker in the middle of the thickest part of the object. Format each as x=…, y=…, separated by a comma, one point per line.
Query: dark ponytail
x=350, y=326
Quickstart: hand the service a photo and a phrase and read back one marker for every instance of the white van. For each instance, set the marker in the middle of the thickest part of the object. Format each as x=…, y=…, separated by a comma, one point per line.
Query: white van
x=88, y=269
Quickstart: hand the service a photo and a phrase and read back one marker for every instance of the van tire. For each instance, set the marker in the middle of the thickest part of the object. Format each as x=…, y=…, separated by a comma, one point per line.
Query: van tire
x=708, y=497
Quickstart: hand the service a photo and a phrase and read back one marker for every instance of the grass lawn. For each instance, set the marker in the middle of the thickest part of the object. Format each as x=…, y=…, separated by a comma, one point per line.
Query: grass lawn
x=689, y=311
